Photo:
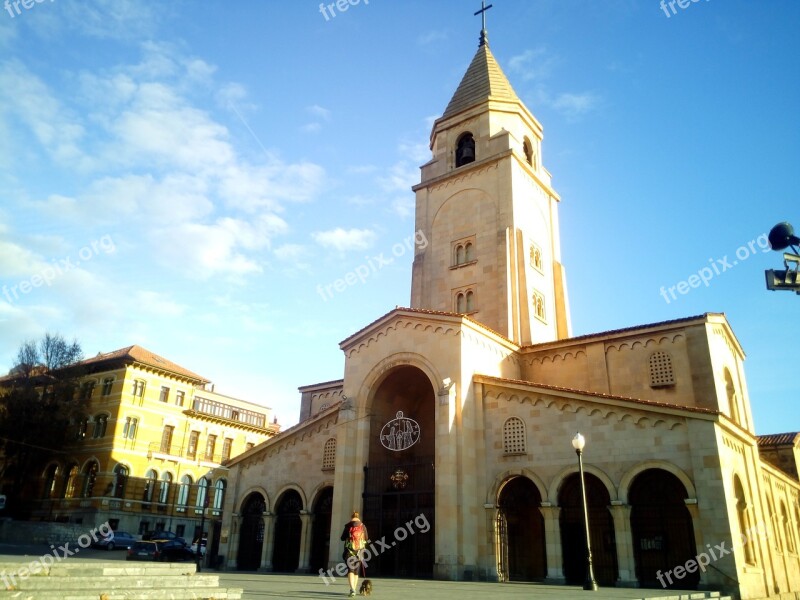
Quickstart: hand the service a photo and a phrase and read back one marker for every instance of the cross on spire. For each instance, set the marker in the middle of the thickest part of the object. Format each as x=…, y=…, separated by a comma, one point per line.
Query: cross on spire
x=482, y=13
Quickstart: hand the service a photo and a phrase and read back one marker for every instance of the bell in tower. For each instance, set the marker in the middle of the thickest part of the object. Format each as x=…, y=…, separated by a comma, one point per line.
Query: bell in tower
x=465, y=151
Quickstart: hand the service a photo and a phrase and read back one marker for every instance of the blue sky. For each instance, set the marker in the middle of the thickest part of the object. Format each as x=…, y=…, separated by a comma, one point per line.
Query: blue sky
x=186, y=175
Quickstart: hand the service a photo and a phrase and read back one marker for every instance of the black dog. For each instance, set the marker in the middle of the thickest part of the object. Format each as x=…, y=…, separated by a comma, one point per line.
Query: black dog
x=366, y=588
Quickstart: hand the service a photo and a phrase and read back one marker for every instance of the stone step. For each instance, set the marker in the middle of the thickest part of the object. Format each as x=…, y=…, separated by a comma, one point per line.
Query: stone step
x=211, y=593
x=116, y=582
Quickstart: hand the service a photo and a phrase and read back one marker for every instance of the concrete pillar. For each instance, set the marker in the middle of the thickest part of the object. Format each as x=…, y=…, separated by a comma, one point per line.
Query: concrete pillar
x=492, y=569
x=268, y=544
x=691, y=504
x=446, y=565
x=305, y=542
x=626, y=561
x=233, y=541
x=552, y=537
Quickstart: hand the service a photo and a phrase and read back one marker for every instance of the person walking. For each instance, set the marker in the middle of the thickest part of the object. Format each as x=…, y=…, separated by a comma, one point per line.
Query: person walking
x=354, y=536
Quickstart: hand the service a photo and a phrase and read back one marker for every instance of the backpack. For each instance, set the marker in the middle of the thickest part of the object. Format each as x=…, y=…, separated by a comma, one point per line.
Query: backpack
x=357, y=539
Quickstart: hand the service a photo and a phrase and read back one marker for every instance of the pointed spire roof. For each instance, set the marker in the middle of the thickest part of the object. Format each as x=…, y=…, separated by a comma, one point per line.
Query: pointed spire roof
x=484, y=80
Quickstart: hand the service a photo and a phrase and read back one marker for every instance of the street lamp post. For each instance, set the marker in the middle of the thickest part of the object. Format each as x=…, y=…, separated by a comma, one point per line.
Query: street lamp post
x=578, y=442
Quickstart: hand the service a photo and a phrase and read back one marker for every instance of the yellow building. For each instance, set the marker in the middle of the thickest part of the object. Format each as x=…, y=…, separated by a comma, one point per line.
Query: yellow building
x=151, y=451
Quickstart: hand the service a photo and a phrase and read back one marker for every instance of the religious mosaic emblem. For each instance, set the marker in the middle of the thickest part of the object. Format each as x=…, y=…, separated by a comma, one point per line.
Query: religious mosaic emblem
x=399, y=479
x=400, y=433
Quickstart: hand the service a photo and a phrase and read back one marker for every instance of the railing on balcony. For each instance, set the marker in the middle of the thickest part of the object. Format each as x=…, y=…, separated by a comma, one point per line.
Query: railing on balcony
x=174, y=452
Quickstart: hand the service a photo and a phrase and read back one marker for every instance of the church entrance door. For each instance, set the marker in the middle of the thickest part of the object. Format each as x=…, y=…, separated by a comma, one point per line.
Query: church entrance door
x=399, y=481
x=288, y=528
x=321, y=531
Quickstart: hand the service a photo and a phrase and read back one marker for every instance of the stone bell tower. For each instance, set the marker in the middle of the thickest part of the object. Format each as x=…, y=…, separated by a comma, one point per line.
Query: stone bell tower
x=490, y=214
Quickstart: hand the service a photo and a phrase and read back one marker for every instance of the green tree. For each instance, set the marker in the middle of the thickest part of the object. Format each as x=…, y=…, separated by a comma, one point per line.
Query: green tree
x=39, y=410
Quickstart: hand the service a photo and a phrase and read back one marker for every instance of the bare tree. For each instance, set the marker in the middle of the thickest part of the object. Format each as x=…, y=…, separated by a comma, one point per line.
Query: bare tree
x=38, y=409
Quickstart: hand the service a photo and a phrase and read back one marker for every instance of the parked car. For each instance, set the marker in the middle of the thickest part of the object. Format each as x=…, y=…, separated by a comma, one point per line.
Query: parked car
x=115, y=539
x=144, y=550
x=161, y=550
x=162, y=535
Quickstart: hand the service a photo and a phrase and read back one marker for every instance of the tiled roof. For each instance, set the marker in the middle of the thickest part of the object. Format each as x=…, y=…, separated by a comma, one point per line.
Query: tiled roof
x=144, y=356
x=483, y=80
x=778, y=439
x=557, y=388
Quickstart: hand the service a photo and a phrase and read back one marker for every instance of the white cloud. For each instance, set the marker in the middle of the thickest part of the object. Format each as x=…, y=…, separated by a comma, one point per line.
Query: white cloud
x=400, y=177
x=311, y=128
x=345, y=240
x=576, y=105
x=319, y=112
x=431, y=37
x=534, y=64
x=291, y=252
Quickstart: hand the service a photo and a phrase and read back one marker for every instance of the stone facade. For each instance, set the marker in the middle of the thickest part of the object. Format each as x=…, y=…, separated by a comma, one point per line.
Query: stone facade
x=450, y=430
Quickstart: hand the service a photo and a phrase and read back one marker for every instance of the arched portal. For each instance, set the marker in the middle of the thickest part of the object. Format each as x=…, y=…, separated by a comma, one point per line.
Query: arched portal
x=321, y=531
x=521, y=552
x=251, y=534
x=573, y=531
x=399, y=477
x=288, y=528
x=663, y=536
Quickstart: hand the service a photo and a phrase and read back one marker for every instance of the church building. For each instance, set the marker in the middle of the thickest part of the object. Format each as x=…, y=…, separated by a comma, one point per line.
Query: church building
x=451, y=428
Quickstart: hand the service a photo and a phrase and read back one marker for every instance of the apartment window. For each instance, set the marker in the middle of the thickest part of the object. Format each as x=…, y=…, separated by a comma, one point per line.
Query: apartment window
x=90, y=477
x=108, y=383
x=183, y=491
x=83, y=427
x=72, y=481
x=179, y=397
x=202, y=493
x=100, y=425
x=87, y=387
x=661, y=373
x=329, y=454
x=164, y=396
x=191, y=451
x=149, y=485
x=219, y=494
x=138, y=388
x=163, y=492
x=166, y=438
x=226, y=448
x=120, y=480
x=514, y=441
x=211, y=441
x=130, y=427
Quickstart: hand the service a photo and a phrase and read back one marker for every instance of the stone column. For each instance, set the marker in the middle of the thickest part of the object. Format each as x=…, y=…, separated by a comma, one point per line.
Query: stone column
x=446, y=565
x=623, y=534
x=305, y=542
x=268, y=543
x=694, y=511
x=552, y=536
x=233, y=541
x=492, y=570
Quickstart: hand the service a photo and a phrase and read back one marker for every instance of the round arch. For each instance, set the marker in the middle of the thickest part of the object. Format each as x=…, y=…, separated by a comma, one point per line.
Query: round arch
x=386, y=366
x=558, y=481
x=520, y=539
x=288, y=488
x=502, y=480
x=630, y=475
x=256, y=489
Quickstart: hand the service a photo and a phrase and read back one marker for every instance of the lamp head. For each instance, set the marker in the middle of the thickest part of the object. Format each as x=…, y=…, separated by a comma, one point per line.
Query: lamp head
x=782, y=236
x=578, y=442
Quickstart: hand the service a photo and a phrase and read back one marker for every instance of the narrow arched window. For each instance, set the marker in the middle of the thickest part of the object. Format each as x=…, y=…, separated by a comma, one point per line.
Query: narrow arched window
x=202, y=493
x=329, y=454
x=90, y=477
x=461, y=305
x=460, y=255
x=527, y=149
x=514, y=441
x=661, y=372
x=733, y=399
x=163, y=491
x=469, y=252
x=149, y=485
x=538, y=305
x=183, y=491
x=470, y=302
x=744, y=520
x=465, y=150
x=120, y=480
x=219, y=494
